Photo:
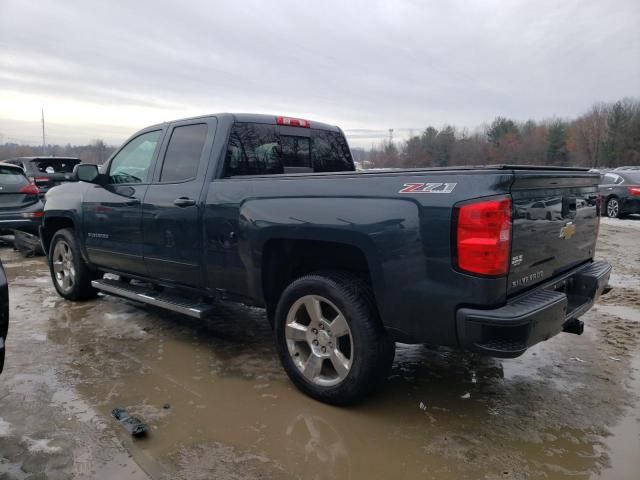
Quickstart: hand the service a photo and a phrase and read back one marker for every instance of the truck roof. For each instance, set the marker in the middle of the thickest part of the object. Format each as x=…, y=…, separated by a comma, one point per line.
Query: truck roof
x=253, y=118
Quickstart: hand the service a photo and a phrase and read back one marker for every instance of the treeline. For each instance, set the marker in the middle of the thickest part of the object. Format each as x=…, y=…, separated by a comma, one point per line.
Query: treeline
x=608, y=135
x=97, y=152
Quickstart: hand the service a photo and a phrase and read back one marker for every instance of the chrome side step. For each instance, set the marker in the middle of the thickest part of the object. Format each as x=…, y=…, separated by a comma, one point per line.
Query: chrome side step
x=144, y=294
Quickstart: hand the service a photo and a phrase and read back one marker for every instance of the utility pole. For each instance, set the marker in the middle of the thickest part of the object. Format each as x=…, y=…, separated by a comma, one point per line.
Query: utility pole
x=43, y=140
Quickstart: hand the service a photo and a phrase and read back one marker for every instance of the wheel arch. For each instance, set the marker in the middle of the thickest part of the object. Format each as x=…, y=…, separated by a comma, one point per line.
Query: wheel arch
x=306, y=255
x=50, y=225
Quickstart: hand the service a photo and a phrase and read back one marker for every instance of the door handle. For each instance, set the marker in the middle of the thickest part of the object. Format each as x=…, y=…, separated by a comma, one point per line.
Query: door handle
x=184, y=202
x=132, y=201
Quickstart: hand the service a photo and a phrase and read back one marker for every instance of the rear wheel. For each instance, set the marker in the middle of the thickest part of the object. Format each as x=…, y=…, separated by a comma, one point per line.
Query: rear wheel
x=613, y=208
x=329, y=341
x=70, y=274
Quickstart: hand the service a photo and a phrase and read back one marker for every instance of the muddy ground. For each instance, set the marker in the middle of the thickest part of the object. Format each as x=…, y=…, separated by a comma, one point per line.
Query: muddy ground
x=569, y=408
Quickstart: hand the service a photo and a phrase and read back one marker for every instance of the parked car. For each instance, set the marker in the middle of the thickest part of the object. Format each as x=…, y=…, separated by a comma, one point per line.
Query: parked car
x=269, y=211
x=548, y=209
x=620, y=191
x=20, y=205
x=46, y=172
x=4, y=313
x=628, y=167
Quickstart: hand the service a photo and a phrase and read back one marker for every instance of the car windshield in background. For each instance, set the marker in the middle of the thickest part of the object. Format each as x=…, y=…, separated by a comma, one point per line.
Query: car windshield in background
x=12, y=176
x=56, y=165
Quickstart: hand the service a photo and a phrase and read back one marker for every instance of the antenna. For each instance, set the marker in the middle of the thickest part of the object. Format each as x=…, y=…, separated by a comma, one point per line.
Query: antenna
x=43, y=140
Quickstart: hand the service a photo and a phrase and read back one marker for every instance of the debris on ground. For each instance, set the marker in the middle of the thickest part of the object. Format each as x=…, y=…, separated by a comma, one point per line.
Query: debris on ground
x=27, y=244
x=134, y=425
x=577, y=359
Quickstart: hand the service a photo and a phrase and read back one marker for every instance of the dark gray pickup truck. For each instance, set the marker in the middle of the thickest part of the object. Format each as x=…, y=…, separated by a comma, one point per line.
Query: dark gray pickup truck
x=270, y=211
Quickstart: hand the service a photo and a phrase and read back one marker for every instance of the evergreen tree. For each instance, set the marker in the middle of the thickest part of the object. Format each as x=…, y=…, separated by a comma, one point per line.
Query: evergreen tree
x=557, y=143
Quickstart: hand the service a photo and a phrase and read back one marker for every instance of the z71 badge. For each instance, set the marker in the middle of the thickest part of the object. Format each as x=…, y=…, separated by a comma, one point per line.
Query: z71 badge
x=428, y=188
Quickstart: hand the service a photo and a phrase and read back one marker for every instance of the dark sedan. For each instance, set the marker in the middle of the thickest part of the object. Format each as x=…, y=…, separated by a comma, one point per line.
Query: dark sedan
x=620, y=191
x=20, y=205
x=46, y=172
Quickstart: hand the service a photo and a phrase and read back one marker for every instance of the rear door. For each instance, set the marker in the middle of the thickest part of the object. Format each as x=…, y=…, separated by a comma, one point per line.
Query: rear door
x=112, y=212
x=172, y=211
x=555, y=224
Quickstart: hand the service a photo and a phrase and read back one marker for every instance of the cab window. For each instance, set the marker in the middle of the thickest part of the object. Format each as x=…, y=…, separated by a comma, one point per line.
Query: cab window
x=331, y=152
x=253, y=149
x=133, y=162
x=261, y=149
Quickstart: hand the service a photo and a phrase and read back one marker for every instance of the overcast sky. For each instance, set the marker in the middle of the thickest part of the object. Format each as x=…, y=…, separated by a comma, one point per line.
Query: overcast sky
x=105, y=69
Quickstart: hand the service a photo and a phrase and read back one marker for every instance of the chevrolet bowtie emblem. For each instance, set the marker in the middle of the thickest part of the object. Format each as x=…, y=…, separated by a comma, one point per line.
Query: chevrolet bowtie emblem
x=567, y=231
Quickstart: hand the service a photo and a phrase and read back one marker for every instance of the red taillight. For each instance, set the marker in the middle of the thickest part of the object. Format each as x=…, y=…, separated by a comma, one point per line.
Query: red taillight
x=634, y=191
x=483, y=237
x=293, y=122
x=30, y=189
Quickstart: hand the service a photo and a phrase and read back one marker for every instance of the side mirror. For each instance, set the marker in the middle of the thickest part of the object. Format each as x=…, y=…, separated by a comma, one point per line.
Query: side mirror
x=86, y=172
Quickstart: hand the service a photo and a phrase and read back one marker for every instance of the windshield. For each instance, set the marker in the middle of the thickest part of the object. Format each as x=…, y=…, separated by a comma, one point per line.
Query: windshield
x=56, y=165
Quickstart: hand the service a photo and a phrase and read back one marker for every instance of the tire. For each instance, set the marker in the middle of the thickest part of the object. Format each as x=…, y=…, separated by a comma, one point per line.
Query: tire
x=330, y=367
x=613, y=208
x=70, y=274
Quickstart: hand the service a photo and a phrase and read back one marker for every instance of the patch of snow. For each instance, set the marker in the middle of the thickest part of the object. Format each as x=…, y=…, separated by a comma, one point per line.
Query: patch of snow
x=37, y=446
x=631, y=222
x=5, y=428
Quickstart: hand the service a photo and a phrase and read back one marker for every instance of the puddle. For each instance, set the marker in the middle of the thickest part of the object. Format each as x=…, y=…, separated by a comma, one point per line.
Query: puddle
x=624, y=443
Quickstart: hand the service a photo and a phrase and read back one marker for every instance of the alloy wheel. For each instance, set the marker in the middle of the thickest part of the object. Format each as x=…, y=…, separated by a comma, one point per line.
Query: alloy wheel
x=613, y=208
x=63, y=266
x=319, y=340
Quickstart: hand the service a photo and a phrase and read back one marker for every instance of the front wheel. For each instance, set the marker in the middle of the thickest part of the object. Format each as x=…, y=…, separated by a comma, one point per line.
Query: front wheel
x=328, y=339
x=613, y=208
x=70, y=274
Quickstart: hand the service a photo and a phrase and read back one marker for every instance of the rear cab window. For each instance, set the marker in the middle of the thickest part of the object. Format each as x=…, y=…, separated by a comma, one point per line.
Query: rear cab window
x=263, y=149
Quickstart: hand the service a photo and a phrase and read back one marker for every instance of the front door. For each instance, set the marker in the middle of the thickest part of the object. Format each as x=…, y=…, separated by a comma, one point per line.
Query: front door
x=112, y=211
x=172, y=211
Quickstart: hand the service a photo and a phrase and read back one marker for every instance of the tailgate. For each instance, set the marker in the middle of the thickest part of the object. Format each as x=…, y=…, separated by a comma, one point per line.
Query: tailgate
x=48, y=180
x=555, y=224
